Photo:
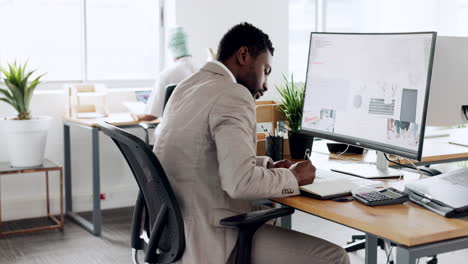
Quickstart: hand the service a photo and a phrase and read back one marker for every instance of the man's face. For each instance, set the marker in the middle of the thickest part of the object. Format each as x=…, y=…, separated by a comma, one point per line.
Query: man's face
x=254, y=76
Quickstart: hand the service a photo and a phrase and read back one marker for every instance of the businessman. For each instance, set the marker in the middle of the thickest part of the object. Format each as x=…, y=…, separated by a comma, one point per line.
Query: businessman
x=207, y=148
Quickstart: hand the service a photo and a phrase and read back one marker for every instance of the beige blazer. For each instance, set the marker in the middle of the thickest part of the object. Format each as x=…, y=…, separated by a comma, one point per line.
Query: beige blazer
x=206, y=145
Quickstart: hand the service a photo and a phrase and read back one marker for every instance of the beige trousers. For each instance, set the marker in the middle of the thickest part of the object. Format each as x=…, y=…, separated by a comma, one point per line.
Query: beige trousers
x=273, y=245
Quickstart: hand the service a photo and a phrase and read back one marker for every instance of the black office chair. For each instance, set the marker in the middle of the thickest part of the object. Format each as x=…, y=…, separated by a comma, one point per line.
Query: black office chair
x=157, y=214
x=147, y=126
x=169, y=90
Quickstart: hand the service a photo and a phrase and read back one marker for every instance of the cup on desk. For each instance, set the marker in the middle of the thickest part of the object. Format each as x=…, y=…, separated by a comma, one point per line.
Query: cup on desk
x=274, y=147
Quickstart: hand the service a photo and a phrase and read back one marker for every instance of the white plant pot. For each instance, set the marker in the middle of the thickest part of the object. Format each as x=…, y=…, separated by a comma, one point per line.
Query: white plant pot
x=26, y=140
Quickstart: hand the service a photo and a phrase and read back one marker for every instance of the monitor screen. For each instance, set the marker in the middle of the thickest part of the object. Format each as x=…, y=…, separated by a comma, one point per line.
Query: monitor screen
x=143, y=96
x=449, y=82
x=369, y=90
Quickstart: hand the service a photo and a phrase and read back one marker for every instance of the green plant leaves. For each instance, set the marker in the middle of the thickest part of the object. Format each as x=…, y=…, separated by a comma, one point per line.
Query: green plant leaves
x=17, y=94
x=292, y=100
x=30, y=90
x=6, y=93
x=19, y=91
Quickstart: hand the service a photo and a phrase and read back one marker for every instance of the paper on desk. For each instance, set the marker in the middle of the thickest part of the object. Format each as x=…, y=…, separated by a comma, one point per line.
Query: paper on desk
x=89, y=115
x=137, y=108
x=119, y=118
x=459, y=137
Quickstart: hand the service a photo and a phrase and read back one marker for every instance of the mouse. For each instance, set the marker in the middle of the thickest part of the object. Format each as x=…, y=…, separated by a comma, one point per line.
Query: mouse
x=342, y=199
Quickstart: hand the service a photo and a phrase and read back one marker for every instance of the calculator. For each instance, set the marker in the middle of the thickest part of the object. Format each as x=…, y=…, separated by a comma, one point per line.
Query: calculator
x=384, y=197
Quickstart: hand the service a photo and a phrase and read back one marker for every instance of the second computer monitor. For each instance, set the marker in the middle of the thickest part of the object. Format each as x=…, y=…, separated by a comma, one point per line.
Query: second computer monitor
x=369, y=90
x=449, y=85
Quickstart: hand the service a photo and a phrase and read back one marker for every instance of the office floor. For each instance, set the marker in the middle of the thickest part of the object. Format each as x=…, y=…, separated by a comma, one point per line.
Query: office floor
x=76, y=246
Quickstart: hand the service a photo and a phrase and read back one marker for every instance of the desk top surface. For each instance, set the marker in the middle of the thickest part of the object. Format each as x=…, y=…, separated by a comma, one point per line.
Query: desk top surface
x=116, y=119
x=435, y=150
x=438, y=149
x=407, y=224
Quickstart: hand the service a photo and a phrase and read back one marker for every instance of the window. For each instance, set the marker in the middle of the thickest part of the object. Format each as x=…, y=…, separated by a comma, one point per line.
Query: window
x=302, y=14
x=122, y=39
x=445, y=17
x=448, y=18
x=47, y=32
x=111, y=41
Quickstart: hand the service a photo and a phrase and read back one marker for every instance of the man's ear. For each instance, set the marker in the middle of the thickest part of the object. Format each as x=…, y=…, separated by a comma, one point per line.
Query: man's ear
x=243, y=56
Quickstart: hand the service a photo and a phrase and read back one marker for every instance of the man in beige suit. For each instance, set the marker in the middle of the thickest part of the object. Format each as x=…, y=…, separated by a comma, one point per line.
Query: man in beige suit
x=207, y=147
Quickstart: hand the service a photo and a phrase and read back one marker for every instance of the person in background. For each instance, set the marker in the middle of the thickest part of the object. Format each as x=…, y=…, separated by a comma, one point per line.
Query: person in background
x=182, y=68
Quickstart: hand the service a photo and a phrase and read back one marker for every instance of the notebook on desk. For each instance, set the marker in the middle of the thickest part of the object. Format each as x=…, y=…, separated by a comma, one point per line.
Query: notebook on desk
x=328, y=189
x=329, y=184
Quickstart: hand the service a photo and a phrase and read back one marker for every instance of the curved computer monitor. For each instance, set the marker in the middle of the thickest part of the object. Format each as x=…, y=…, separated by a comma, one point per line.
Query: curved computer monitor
x=369, y=90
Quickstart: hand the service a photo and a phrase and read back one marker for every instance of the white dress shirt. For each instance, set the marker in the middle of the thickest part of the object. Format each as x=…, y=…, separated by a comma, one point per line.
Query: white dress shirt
x=181, y=69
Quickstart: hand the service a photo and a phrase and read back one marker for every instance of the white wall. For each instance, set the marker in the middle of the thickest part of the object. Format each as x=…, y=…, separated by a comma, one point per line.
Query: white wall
x=24, y=195
x=206, y=21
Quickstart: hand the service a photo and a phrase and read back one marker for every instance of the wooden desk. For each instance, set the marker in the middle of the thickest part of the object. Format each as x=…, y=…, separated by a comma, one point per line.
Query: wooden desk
x=438, y=150
x=435, y=151
x=407, y=224
x=416, y=231
x=116, y=119
x=122, y=120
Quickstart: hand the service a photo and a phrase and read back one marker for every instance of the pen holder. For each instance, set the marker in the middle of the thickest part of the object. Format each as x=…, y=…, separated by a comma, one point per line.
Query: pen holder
x=274, y=147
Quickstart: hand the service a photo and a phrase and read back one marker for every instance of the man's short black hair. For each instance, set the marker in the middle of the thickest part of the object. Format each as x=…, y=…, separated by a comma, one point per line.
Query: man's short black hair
x=244, y=34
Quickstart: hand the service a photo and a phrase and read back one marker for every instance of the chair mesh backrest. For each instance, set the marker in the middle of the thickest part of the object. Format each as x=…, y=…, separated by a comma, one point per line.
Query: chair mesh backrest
x=155, y=188
x=169, y=91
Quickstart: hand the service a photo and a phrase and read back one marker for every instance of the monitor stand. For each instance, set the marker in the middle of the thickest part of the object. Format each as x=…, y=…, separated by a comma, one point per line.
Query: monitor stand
x=370, y=171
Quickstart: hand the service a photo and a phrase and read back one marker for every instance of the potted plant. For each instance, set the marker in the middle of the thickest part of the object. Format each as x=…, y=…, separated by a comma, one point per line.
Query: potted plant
x=292, y=100
x=26, y=135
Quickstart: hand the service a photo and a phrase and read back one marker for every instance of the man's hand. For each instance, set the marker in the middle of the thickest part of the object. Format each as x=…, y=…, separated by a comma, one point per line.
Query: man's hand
x=144, y=117
x=304, y=172
x=283, y=164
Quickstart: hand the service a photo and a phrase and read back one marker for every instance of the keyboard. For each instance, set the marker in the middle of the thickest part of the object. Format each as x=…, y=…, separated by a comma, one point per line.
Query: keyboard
x=327, y=174
x=379, y=107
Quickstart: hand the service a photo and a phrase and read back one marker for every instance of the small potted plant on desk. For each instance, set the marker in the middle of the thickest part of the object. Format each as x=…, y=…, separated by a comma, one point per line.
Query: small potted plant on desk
x=292, y=100
x=26, y=135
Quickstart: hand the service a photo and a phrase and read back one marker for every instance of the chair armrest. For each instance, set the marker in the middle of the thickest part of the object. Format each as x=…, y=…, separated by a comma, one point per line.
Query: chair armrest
x=256, y=217
x=248, y=224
